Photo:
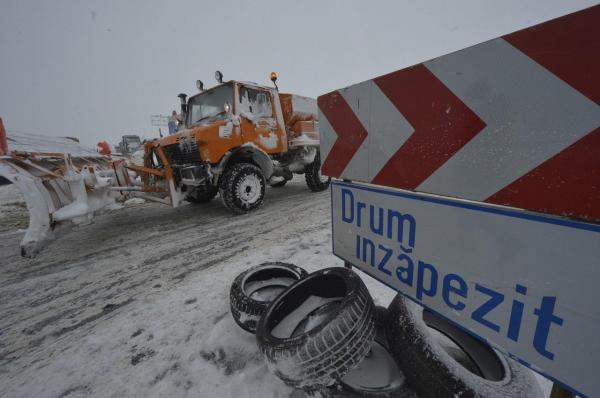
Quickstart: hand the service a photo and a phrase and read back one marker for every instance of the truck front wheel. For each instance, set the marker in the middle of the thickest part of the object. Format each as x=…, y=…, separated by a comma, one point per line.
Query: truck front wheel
x=314, y=179
x=242, y=188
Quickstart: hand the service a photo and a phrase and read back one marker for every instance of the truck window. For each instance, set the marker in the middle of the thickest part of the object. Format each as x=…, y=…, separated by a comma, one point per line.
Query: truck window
x=210, y=104
x=255, y=103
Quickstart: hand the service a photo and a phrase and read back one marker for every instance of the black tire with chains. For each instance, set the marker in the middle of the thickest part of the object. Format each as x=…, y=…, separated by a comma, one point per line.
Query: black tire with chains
x=228, y=187
x=312, y=174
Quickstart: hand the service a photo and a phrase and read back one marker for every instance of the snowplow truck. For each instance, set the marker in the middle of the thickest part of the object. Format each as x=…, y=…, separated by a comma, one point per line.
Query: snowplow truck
x=233, y=140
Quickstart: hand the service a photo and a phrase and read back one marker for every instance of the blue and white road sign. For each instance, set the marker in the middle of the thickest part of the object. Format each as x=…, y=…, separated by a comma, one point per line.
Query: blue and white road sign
x=526, y=283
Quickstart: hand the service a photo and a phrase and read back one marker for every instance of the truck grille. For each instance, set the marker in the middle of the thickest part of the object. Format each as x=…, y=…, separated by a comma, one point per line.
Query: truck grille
x=183, y=153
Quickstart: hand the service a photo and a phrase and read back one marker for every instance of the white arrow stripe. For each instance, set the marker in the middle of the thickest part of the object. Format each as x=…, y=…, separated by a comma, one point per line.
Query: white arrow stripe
x=327, y=136
x=531, y=115
x=388, y=129
x=358, y=98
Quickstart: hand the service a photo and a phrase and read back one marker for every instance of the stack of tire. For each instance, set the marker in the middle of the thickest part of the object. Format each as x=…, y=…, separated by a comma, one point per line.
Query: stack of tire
x=321, y=332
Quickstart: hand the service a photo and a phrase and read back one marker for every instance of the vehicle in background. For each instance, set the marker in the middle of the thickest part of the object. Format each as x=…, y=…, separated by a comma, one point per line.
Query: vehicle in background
x=236, y=138
x=129, y=144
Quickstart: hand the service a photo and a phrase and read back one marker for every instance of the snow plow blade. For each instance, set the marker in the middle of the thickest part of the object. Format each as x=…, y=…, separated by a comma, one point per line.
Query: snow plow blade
x=60, y=181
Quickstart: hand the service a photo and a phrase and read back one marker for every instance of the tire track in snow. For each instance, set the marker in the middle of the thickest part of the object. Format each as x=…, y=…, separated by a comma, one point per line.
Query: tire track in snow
x=124, y=255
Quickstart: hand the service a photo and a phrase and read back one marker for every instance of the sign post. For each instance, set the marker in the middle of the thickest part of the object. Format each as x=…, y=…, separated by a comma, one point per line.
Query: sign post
x=559, y=392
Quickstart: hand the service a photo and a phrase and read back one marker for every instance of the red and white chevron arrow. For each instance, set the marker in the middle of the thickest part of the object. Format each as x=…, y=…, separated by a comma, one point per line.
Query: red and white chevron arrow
x=513, y=121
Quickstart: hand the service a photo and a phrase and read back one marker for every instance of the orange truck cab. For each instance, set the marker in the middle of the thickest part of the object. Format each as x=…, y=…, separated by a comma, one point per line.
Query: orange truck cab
x=234, y=139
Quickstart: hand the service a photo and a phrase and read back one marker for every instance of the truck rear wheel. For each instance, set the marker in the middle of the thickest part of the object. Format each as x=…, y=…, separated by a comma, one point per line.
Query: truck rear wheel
x=314, y=179
x=242, y=188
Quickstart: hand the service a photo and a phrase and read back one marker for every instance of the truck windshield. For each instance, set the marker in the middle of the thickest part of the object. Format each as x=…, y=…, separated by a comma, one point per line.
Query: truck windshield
x=210, y=104
x=132, y=140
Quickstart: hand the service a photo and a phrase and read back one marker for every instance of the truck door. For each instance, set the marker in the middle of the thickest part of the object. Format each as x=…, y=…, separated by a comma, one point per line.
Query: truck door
x=258, y=123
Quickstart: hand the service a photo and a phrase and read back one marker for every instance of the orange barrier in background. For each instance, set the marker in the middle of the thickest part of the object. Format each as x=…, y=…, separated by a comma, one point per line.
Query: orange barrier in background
x=3, y=142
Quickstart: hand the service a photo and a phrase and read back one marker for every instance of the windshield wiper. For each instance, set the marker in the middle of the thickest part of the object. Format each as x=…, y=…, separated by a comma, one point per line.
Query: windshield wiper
x=208, y=117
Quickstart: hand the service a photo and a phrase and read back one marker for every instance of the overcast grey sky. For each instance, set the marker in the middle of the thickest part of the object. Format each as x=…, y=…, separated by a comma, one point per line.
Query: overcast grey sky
x=99, y=69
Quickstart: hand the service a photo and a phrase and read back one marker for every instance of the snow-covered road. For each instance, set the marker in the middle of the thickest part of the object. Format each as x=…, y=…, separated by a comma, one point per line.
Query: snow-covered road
x=137, y=303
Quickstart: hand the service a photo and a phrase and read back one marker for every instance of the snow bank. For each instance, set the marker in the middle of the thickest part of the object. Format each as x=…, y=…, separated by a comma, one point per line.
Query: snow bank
x=134, y=201
x=25, y=142
x=305, y=106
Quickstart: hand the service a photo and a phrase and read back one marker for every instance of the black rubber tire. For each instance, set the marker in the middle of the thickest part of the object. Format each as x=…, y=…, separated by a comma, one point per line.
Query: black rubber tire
x=342, y=389
x=245, y=309
x=316, y=358
x=312, y=174
x=279, y=184
x=433, y=373
x=230, y=187
x=202, y=196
